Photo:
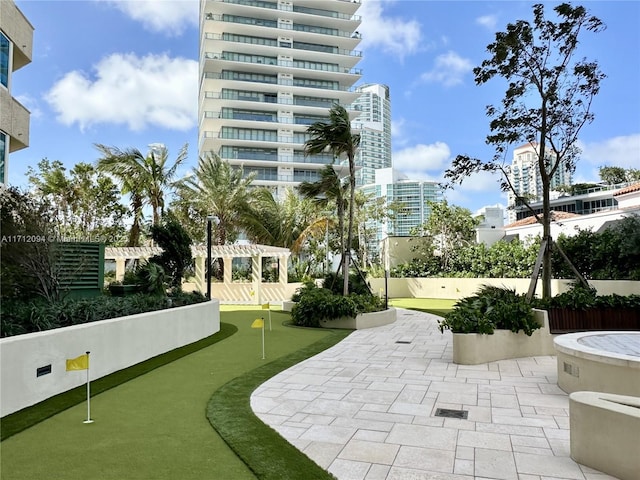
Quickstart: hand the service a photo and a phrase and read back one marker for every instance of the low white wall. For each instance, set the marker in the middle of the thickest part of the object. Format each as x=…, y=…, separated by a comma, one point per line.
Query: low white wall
x=477, y=348
x=363, y=320
x=456, y=288
x=114, y=344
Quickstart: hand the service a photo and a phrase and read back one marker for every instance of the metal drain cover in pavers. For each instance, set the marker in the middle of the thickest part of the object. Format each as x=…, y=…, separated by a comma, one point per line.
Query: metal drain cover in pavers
x=447, y=413
x=406, y=342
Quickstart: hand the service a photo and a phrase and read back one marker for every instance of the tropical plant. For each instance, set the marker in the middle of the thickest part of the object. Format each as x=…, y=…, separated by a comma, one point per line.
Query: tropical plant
x=336, y=136
x=326, y=191
x=84, y=204
x=152, y=279
x=546, y=104
x=215, y=192
x=19, y=317
x=25, y=250
x=613, y=254
x=280, y=223
x=176, y=256
x=145, y=178
x=447, y=229
x=489, y=309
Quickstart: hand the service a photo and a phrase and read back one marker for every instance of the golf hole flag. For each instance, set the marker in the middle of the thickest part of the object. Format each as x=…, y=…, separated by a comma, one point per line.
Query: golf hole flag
x=78, y=363
x=267, y=306
x=82, y=363
x=259, y=323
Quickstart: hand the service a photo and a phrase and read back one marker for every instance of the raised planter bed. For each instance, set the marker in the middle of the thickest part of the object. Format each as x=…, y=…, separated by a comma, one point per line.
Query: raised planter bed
x=476, y=348
x=362, y=320
x=566, y=320
x=615, y=452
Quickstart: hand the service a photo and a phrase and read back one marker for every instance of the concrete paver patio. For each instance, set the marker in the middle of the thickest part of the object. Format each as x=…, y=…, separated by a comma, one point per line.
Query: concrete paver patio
x=365, y=410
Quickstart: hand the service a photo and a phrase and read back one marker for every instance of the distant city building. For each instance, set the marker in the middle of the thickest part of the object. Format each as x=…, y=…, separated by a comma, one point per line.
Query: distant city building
x=268, y=70
x=16, y=46
x=491, y=224
x=374, y=126
x=594, y=209
x=525, y=176
x=394, y=186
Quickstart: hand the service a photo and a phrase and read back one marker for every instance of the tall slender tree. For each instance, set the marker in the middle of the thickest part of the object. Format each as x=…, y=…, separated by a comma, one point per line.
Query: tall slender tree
x=546, y=104
x=145, y=178
x=336, y=137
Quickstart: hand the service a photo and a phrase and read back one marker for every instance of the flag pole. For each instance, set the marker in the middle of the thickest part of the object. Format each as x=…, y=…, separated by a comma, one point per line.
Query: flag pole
x=269, y=317
x=263, y=338
x=88, y=420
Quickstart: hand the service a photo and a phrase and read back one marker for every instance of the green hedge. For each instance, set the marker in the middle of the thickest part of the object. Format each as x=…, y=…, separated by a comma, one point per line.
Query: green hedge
x=19, y=317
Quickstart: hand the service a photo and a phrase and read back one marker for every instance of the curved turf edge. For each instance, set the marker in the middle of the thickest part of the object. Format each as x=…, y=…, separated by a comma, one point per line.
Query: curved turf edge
x=267, y=454
x=29, y=416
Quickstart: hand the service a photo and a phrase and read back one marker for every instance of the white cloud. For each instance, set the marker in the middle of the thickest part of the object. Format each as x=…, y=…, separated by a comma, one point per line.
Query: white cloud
x=449, y=69
x=488, y=21
x=167, y=16
x=154, y=90
x=422, y=158
x=622, y=151
x=392, y=35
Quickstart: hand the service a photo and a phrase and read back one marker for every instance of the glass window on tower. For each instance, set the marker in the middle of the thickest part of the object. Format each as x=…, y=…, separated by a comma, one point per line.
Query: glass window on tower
x=4, y=60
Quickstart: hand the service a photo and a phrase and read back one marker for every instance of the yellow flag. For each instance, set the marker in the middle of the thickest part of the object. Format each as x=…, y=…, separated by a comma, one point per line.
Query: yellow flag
x=258, y=323
x=265, y=306
x=78, y=363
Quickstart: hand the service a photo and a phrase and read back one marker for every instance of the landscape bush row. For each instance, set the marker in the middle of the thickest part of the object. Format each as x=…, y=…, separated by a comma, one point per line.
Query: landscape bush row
x=501, y=308
x=612, y=254
x=18, y=317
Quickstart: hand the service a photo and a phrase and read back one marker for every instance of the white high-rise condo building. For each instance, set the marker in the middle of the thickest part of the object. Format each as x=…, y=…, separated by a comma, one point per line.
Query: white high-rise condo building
x=413, y=196
x=268, y=70
x=525, y=176
x=16, y=45
x=374, y=126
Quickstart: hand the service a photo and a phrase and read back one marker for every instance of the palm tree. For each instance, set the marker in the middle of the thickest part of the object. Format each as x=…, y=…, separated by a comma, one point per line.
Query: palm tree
x=218, y=190
x=274, y=222
x=336, y=137
x=327, y=189
x=144, y=178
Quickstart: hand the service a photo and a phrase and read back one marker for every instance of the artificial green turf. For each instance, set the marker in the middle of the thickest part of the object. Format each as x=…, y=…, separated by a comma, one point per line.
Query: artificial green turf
x=436, y=306
x=155, y=426
x=268, y=455
x=27, y=417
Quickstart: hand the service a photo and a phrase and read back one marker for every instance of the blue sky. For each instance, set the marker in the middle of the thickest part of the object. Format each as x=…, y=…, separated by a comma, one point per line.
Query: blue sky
x=124, y=73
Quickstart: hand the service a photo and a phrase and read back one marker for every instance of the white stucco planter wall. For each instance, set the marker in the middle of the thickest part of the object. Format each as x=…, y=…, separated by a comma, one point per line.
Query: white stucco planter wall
x=114, y=344
x=604, y=432
x=362, y=320
x=476, y=348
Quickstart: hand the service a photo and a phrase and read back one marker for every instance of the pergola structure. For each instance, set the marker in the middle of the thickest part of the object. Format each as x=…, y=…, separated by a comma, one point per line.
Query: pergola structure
x=252, y=291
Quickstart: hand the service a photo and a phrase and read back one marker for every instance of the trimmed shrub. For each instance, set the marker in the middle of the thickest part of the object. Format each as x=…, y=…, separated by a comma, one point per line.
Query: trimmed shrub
x=491, y=308
x=315, y=304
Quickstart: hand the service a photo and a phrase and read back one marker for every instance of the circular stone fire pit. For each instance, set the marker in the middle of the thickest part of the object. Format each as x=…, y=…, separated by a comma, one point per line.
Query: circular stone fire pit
x=599, y=362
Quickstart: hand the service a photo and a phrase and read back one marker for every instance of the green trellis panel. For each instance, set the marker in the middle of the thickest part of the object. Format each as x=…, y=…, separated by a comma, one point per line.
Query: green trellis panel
x=80, y=266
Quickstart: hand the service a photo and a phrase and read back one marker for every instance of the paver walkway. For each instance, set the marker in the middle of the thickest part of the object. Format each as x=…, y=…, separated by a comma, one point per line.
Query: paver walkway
x=365, y=409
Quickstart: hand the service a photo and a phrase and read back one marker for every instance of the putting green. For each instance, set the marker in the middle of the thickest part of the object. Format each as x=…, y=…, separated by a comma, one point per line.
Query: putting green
x=154, y=426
